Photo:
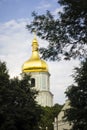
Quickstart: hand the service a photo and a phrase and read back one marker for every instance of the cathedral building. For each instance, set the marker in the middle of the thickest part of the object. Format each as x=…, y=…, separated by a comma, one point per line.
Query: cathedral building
x=38, y=69
x=59, y=122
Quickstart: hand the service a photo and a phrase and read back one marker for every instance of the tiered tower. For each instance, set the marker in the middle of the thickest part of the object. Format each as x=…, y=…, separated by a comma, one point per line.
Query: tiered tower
x=38, y=69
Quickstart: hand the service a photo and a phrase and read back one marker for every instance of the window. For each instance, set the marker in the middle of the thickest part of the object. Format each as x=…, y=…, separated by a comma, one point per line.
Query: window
x=32, y=82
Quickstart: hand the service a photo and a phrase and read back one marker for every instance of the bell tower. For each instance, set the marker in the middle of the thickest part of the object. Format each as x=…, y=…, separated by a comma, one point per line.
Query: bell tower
x=38, y=69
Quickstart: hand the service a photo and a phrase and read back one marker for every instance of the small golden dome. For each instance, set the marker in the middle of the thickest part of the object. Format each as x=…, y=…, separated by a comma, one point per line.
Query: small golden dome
x=35, y=64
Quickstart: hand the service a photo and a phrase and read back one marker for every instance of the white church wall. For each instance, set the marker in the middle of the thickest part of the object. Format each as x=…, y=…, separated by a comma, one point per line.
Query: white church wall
x=59, y=123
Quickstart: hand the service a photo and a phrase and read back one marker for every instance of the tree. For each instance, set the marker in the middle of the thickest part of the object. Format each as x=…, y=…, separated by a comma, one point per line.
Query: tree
x=77, y=95
x=66, y=34
x=49, y=113
x=18, y=107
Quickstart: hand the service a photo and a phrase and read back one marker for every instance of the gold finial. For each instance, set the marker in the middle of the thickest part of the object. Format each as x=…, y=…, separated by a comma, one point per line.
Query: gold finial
x=35, y=42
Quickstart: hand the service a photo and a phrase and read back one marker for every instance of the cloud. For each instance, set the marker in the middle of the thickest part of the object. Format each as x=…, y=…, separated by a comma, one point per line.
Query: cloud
x=57, y=10
x=15, y=49
x=61, y=78
x=14, y=42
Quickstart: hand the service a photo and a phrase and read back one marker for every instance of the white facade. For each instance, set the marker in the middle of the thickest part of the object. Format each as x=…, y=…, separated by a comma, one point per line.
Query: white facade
x=59, y=123
x=42, y=84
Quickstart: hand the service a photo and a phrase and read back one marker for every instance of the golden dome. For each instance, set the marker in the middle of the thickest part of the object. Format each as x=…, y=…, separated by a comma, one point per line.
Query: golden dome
x=35, y=64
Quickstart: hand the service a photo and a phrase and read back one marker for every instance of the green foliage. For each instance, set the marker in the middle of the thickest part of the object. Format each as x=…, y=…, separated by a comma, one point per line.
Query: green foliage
x=49, y=113
x=66, y=34
x=77, y=94
x=18, y=108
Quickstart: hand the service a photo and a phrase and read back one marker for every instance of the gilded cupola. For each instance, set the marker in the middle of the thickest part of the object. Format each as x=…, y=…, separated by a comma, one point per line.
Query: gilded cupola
x=35, y=63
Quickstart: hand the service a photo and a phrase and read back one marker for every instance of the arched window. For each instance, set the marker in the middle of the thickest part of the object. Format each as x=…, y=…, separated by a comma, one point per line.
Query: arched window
x=32, y=82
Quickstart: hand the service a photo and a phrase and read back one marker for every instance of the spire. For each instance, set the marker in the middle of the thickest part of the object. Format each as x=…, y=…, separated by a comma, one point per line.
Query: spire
x=34, y=33
x=35, y=53
x=34, y=43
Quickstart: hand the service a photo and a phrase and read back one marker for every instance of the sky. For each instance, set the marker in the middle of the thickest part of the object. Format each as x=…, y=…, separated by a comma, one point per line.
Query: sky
x=16, y=40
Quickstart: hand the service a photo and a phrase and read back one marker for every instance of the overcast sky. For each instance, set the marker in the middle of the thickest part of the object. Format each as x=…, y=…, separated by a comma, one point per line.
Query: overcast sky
x=15, y=42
